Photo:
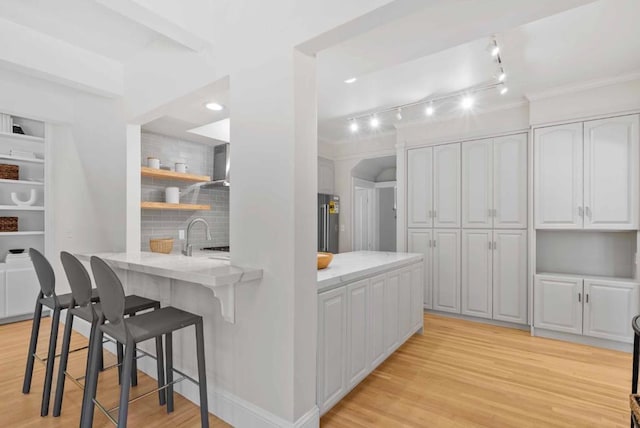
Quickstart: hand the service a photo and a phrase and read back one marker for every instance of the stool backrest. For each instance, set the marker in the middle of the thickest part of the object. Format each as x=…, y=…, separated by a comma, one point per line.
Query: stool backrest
x=44, y=271
x=78, y=277
x=110, y=290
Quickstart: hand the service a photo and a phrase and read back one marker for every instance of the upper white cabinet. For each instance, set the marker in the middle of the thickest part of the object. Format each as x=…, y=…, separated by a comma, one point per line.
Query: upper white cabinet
x=446, y=185
x=611, y=173
x=558, y=177
x=419, y=241
x=494, y=183
x=586, y=175
x=420, y=187
x=446, y=270
x=325, y=176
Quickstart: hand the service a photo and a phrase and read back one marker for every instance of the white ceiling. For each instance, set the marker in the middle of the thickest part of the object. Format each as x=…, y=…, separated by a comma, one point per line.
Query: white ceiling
x=395, y=65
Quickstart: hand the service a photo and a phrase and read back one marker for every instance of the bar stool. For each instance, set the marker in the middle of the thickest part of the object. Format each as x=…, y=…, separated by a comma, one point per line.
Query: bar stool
x=81, y=307
x=132, y=331
x=47, y=297
x=635, y=324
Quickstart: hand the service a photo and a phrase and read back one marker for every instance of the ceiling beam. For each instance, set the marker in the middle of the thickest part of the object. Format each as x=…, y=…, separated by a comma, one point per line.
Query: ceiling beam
x=40, y=55
x=136, y=12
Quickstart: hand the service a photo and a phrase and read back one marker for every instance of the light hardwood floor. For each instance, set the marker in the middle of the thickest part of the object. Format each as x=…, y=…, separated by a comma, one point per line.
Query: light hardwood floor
x=465, y=374
x=459, y=374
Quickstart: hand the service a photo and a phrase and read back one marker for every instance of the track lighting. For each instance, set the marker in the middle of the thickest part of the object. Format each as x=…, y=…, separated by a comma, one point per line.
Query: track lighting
x=214, y=106
x=350, y=80
x=353, y=126
x=495, y=50
x=399, y=113
x=467, y=102
x=502, y=76
x=503, y=90
x=374, y=122
x=429, y=110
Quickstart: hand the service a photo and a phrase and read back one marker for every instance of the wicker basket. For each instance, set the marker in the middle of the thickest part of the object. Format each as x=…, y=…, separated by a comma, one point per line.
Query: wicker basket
x=9, y=172
x=161, y=245
x=8, y=224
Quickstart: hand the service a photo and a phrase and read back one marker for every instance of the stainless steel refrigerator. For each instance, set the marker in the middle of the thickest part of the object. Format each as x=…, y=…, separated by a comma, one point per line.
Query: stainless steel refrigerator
x=328, y=224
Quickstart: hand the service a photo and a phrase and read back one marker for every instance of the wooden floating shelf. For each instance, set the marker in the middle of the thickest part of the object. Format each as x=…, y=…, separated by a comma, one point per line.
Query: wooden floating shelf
x=172, y=175
x=21, y=233
x=20, y=208
x=19, y=159
x=24, y=182
x=165, y=206
x=21, y=137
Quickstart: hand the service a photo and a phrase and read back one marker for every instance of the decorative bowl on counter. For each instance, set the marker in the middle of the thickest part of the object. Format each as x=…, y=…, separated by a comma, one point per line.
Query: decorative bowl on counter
x=161, y=245
x=324, y=260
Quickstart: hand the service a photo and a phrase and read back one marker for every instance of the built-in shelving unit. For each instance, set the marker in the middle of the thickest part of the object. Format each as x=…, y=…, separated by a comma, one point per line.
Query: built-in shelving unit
x=172, y=175
x=20, y=208
x=146, y=205
x=21, y=182
x=22, y=137
x=30, y=233
x=20, y=159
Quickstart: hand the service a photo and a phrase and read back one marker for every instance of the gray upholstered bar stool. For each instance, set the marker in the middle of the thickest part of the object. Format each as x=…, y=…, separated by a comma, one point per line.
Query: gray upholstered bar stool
x=132, y=331
x=82, y=307
x=47, y=298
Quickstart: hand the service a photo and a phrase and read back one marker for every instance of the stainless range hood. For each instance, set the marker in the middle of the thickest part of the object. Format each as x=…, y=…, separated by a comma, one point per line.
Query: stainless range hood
x=221, y=164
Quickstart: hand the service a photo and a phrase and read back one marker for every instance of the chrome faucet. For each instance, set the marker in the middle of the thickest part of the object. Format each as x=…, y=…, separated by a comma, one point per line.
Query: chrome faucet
x=188, y=248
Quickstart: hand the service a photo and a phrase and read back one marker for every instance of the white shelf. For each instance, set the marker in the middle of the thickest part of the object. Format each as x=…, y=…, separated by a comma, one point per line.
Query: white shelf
x=20, y=208
x=596, y=277
x=19, y=159
x=21, y=137
x=32, y=233
x=27, y=182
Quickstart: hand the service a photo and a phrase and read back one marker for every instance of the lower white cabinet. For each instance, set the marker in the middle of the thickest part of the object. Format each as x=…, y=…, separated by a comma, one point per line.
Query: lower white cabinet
x=446, y=270
x=19, y=288
x=590, y=306
x=360, y=324
x=419, y=241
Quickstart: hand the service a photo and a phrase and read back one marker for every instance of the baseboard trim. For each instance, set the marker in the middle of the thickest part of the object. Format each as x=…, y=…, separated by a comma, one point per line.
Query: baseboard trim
x=524, y=327
x=223, y=404
x=584, y=340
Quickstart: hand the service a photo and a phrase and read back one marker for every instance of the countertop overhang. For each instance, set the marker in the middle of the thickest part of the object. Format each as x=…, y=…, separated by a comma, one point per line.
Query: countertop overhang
x=348, y=267
x=218, y=275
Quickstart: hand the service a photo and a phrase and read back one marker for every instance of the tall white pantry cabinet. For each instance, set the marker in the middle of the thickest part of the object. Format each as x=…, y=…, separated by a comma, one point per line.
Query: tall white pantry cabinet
x=467, y=213
x=586, y=184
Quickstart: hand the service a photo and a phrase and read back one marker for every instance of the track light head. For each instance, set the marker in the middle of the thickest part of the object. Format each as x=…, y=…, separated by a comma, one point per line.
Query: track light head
x=353, y=126
x=467, y=102
x=399, y=113
x=429, y=110
x=374, y=122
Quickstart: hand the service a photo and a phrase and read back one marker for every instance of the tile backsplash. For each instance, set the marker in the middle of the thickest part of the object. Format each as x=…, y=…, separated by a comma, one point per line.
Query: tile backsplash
x=167, y=223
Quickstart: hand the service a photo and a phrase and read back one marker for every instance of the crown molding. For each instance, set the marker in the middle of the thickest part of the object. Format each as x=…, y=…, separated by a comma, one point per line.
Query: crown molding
x=582, y=86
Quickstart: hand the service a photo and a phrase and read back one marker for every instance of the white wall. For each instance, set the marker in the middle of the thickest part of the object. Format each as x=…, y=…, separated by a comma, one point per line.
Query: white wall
x=86, y=182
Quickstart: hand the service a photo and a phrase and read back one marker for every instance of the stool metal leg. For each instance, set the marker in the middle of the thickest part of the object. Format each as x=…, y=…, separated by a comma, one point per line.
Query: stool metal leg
x=33, y=344
x=120, y=352
x=51, y=358
x=169, y=351
x=202, y=375
x=134, y=370
x=64, y=358
x=126, y=385
x=160, y=365
x=91, y=377
x=634, y=375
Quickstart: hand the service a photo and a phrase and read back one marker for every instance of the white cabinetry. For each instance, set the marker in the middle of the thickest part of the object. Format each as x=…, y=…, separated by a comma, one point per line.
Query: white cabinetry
x=477, y=184
x=19, y=288
x=360, y=324
x=446, y=270
x=596, y=307
x=420, y=187
x=494, y=274
x=577, y=167
x=325, y=176
x=446, y=185
x=419, y=241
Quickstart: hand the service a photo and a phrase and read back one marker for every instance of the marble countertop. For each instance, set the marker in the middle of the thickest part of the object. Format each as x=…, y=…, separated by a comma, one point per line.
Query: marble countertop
x=347, y=267
x=203, y=267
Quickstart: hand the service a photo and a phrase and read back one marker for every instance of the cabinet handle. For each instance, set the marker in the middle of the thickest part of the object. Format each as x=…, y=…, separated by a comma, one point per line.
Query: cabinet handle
x=579, y=297
x=586, y=297
x=490, y=212
x=588, y=211
x=489, y=245
x=495, y=245
x=434, y=243
x=429, y=243
x=580, y=212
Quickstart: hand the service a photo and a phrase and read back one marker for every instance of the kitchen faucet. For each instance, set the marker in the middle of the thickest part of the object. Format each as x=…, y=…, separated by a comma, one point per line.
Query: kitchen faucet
x=188, y=248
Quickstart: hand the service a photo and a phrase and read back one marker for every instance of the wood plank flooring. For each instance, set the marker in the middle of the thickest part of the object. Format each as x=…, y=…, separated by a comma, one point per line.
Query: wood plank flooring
x=459, y=374
x=465, y=374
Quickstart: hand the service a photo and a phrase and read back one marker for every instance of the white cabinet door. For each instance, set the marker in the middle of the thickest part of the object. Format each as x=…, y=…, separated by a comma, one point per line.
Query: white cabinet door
x=611, y=173
x=477, y=184
x=420, y=187
x=510, y=182
x=557, y=303
x=404, y=304
x=3, y=295
x=558, y=177
x=609, y=307
x=22, y=288
x=477, y=296
x=376, y=315
x=391, y=291
x=510, y=276
x=446, y=270
x=417, y=296
x=446, y=185
x=419, y=241
x=332, y=344
x=357, y=333
x=325, y=176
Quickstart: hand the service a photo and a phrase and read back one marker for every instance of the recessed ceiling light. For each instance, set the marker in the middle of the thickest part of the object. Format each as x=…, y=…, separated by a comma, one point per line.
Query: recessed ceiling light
x=350, y=80
x=467, y=102
x=374, y=122
x=214, y=106
x=429, y=110
x=353, y=126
